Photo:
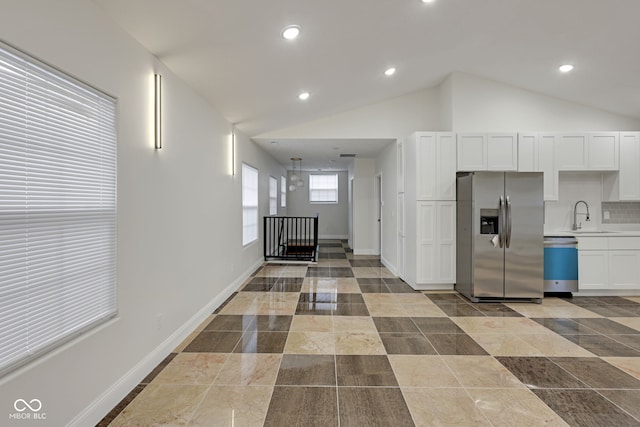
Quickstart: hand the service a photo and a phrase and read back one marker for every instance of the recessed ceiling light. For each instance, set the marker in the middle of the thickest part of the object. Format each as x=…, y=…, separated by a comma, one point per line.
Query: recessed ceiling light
x=427, y=1
x=565, y=68
x=390, y=71
x=291, y=32
x=304, y=96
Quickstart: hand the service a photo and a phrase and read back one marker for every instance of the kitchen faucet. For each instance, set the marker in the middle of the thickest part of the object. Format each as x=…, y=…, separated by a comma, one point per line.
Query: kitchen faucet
x=577, y=226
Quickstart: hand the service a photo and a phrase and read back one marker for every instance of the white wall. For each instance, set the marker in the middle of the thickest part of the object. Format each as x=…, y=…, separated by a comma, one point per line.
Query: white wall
x=386, y=165
x=179, y=213
x=574, y=186
x=481, y=105
x=364, y=217
x=332, y=217
x=388, y=119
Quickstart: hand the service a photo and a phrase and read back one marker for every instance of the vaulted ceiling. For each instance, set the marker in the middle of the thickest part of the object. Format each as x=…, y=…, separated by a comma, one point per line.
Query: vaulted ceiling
x=232, y=52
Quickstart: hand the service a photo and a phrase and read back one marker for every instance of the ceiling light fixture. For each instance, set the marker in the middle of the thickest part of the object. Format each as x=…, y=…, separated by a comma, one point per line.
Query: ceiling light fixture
x=427, y=1
x=565, y=68
x=295, y=180
x=390, y=71
x=291, y=32
x=303, y=96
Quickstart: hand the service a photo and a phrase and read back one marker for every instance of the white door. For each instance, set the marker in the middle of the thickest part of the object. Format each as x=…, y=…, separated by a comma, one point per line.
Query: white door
x=401, y=237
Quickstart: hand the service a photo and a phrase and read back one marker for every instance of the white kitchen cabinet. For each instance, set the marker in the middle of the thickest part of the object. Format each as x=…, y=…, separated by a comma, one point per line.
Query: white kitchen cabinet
x=502, y=152
x=494, y=151
x=571, y=151
x=472, y=151
x=609, y=263
x=624, y=269
x=435, y=241
x=603, y=151
x=430, y=165
x=429, y=210
x=629, y=175
x=400, y=164
x=528, y=152
x=536, y=154
x=593, y=270
x=592, y=151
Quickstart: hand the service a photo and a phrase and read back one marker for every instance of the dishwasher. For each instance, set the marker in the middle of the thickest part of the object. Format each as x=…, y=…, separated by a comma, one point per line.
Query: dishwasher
x=560, y=264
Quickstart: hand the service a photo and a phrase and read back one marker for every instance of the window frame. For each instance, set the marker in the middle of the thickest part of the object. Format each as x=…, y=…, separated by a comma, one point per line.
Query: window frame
x=248, y=239
x=313, y=187
x=58, y=223
x=273, y=196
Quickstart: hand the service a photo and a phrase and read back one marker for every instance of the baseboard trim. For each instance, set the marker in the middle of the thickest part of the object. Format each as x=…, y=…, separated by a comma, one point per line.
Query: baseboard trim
x=332, y=236
x=433, y=286
x=365, y=252
x=390, y=267
x=100, y=407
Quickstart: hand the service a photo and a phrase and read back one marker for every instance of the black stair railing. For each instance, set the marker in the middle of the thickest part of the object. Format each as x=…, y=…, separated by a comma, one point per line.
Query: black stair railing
x=291, y=238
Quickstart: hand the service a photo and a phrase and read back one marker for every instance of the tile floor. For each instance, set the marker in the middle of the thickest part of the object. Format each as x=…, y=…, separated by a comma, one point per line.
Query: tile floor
x=344, y=343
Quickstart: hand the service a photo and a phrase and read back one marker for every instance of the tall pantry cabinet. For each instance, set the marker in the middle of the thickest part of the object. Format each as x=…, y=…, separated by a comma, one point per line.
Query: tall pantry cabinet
x=428, y=234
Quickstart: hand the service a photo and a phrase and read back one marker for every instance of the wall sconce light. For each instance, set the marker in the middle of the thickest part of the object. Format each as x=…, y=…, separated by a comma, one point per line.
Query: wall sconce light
x=233, y=152
x=157, y=112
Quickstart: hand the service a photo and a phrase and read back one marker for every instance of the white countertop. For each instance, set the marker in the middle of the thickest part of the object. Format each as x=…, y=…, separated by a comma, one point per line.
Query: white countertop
x=593, y=233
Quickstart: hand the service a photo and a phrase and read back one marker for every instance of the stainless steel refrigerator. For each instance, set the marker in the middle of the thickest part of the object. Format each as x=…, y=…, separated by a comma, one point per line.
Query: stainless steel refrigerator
x=500, y=236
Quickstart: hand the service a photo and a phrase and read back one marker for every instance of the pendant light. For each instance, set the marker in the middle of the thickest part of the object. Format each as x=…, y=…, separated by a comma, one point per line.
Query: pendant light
x=295, y=180
x=300, y=182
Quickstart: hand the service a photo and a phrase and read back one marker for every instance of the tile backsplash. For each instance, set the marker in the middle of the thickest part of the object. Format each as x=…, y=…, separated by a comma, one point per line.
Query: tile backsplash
x=621, y=212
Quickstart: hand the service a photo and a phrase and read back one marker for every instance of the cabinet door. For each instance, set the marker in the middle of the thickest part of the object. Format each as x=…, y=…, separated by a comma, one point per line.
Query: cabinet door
x=603, y=151
x=593, y=271
x=472, y=152
x=624, y=269
x=629, y=176
x=446, y=242
x=528, y=152
x=446, y=168
x=426, y=242
x=502, y=152
x=426, y=166
x=400, y=164
x=546, y=164
x=571, y=151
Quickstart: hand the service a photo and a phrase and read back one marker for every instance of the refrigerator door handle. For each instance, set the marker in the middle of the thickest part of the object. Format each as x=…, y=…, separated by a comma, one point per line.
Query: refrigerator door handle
x=508, y=215
x=501, y=221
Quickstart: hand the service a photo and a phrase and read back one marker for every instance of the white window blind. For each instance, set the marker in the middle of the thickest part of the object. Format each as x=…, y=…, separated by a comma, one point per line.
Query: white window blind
x=273, y=196
x=323, y=188
x=283, y=192
x=57, y=208
x=249, y=204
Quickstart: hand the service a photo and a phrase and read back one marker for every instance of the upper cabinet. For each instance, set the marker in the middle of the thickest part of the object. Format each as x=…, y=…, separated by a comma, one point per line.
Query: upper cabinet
x=603, y=151
x=587, y=151
x=430, y=166
x=400, y=164
x=571, y=151
x=536, y=153
x=493, y=152
x=629, y=177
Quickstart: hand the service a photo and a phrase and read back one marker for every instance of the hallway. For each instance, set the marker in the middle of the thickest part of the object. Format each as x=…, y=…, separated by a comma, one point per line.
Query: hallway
x=345, y=343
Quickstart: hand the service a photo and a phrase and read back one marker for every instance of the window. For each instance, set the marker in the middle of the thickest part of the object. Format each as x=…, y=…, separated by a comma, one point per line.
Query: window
x=323, y=188
x=249, y=204
x=57, y=208
x=273, y=196
x=283, y=192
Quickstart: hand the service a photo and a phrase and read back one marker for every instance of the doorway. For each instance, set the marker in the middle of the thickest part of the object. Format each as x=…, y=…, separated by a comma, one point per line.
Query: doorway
x=377, y=196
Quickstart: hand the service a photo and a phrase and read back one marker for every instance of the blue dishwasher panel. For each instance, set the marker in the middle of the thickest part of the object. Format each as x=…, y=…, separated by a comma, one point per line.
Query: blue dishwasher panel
x=560, y=268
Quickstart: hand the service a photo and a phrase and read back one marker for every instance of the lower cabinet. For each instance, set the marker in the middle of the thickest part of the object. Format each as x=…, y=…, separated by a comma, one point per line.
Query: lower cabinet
x=609, y=263
x=593, y=270
x=434, y=263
